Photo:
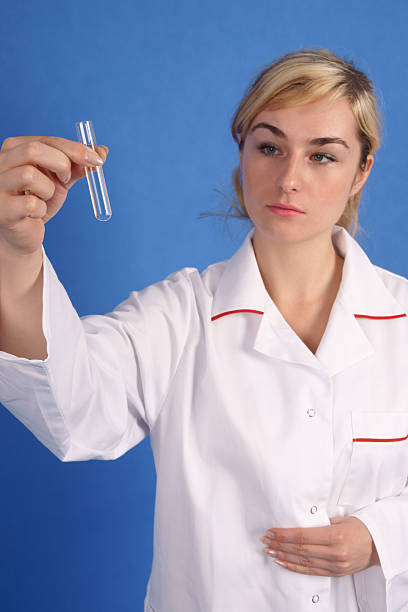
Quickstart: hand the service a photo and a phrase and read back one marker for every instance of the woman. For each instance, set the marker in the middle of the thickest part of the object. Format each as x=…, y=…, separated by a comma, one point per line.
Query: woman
x=254, y=378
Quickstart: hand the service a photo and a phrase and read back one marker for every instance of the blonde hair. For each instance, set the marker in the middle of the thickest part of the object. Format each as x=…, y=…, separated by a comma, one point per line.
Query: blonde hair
x=299, y=78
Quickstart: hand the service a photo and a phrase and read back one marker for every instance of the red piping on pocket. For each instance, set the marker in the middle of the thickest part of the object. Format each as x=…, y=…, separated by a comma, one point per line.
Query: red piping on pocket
x=358, y=316
x=380, y=439
x=223, y=314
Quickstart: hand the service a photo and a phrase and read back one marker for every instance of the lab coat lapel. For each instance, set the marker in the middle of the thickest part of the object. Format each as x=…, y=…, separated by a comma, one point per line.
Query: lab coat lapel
x=240, y=286
x=344, y=342
x=241, y=289
x=277, y=339
x=361, y=295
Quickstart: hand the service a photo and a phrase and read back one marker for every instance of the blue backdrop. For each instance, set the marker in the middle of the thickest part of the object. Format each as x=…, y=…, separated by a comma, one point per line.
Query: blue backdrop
x=161, y=81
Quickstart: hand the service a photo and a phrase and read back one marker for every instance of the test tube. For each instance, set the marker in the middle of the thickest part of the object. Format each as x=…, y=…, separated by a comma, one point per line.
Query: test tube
x=94, y=175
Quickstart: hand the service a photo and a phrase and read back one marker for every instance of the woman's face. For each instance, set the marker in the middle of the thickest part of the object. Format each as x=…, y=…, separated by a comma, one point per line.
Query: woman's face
x=280, y=164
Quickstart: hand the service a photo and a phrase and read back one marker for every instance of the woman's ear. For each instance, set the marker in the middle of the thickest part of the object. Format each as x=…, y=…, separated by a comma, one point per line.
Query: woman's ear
x=362, y=175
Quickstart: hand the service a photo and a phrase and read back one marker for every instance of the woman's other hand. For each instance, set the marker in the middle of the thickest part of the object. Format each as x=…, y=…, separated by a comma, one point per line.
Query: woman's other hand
x=342, y=548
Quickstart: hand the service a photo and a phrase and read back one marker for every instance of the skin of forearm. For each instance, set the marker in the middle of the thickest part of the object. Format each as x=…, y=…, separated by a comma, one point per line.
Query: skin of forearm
x=21, y=285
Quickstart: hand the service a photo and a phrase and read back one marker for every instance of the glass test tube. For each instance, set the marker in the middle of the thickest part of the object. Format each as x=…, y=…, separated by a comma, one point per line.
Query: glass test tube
x=94, y=175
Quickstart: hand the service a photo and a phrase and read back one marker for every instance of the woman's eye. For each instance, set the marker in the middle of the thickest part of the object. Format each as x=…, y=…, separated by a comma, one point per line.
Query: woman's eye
x=266, y=148
x=270, y=149
x=324, y=156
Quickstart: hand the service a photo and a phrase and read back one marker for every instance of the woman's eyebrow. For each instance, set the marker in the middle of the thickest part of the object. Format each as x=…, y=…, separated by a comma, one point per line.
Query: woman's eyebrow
x=315, y=141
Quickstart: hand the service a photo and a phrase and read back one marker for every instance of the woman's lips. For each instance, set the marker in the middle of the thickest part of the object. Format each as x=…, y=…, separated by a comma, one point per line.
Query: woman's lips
x=285, y=211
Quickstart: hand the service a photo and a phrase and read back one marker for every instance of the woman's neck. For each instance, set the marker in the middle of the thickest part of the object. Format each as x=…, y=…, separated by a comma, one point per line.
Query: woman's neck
x=301, y=273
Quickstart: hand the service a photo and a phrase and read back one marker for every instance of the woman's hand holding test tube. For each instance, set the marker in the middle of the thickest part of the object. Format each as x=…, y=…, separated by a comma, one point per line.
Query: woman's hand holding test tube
x=36, y=173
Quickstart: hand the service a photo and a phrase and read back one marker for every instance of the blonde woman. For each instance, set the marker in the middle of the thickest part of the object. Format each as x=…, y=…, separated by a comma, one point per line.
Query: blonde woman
x=273, y=385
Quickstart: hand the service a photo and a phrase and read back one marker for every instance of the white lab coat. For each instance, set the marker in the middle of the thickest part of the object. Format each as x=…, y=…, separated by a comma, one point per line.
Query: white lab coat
x=249, y=428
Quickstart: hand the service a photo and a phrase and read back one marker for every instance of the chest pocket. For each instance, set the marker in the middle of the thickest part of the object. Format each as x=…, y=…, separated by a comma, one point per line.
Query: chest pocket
x=379, y=460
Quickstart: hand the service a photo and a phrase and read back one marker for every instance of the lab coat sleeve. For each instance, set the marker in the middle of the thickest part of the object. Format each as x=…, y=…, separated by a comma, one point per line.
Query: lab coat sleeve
x=100, y=388
x=387, y=521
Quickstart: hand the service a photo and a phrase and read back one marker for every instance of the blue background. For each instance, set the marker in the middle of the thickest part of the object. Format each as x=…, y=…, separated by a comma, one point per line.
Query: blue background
x=161, y=81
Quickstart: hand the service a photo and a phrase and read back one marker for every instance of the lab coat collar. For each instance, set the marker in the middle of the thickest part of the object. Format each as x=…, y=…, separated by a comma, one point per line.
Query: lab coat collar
x=361, y=294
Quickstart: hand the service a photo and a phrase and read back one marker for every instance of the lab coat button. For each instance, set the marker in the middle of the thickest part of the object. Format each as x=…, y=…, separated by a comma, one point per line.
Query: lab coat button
x=313, y=509
x=311, y=412
x=315, y=598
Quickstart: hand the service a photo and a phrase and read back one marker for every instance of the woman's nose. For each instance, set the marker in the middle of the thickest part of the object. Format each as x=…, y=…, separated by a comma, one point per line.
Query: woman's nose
x=289, y=178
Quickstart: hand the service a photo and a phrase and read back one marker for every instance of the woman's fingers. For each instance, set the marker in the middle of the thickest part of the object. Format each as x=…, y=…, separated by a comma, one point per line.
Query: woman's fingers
x=23, y=206
x=51, y=153
x=27, y=178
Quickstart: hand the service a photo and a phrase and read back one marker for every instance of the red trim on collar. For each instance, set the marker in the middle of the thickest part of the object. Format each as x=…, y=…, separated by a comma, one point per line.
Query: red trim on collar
x=369, y=317
x=223, y=314
x=380, y=439
x=358, y=316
